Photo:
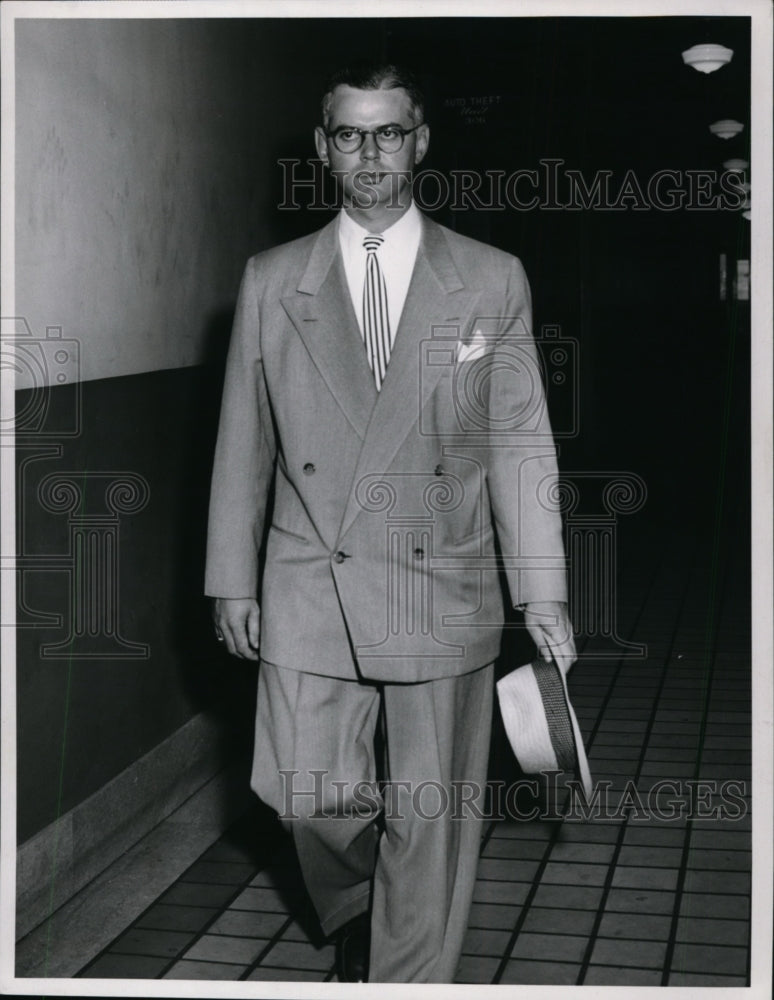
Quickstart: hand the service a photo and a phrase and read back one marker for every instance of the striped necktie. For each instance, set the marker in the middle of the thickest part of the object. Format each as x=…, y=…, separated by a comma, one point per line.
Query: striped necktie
x=376, y=319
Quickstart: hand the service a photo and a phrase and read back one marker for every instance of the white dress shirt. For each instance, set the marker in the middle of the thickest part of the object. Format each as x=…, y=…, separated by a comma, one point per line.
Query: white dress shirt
x=396, y=257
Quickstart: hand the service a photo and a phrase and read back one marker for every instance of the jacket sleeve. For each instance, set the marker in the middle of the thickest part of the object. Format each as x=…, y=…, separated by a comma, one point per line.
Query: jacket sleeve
x=522, y=471
x=244, y=457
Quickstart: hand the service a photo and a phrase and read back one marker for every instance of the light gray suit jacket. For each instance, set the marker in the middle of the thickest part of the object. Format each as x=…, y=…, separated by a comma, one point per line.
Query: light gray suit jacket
x=386, y=505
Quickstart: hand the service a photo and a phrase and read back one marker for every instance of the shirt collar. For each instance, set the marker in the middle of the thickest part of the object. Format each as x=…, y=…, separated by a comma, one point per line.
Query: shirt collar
x=400, y=234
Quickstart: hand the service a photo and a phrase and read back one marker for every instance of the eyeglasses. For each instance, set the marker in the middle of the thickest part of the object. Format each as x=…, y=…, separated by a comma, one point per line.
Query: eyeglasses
x=388, y=138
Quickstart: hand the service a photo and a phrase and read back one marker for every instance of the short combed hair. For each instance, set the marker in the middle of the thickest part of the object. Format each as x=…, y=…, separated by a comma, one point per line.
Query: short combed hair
x=376, y=76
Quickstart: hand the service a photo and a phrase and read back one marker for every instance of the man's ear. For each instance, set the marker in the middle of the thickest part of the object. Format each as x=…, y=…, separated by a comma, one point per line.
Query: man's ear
x=321, y=143
x=423, y=141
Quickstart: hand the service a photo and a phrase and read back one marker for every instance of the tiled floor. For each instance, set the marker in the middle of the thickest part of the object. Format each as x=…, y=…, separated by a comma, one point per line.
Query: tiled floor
x=652, y=889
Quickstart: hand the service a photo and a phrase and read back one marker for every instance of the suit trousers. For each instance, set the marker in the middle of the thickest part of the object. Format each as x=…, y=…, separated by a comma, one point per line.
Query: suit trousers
x=408, y=848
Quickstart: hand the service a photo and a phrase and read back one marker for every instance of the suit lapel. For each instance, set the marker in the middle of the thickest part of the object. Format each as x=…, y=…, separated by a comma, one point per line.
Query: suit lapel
x=321, y=310
x=436, y=297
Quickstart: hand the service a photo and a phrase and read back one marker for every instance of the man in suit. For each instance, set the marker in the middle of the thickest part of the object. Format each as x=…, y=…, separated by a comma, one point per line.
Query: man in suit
x=383, y=380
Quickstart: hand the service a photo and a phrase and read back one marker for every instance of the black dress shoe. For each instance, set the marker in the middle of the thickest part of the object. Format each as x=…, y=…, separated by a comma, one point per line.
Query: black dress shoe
x=353, y=942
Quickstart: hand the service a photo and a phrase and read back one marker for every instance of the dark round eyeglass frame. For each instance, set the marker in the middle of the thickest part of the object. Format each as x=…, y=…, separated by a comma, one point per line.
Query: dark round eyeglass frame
x=377, y=133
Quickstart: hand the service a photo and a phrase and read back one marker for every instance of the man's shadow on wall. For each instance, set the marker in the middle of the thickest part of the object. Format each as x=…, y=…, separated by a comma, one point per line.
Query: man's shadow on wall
x=216, y=683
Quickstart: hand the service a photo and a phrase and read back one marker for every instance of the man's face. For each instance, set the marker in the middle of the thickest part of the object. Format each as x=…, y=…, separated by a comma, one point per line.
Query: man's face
x=371, y=178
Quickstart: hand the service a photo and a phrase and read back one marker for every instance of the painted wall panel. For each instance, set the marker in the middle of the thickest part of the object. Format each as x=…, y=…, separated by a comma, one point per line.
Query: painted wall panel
x=133, y=178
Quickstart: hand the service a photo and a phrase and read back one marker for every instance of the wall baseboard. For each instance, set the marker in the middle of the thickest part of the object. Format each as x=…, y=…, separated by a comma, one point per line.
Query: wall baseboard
x=65, y=856
x=89, y=922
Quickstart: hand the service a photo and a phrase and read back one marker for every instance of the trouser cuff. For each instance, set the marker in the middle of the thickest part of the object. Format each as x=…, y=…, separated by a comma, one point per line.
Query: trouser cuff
x=346, y=912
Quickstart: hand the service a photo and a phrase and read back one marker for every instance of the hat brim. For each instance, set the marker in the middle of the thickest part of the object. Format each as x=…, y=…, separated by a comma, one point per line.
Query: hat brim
x=540, y=721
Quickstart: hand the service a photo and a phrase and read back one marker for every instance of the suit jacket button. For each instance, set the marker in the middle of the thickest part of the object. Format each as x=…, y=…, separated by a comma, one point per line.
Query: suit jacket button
x=438, y=470
x=309, y=468
x=339, y=557
x=419, y=553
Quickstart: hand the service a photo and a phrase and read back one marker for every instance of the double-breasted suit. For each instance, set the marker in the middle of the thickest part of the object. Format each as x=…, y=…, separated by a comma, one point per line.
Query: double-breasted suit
x=393, y=516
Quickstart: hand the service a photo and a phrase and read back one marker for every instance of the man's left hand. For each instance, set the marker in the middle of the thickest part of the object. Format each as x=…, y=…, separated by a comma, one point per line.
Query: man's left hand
x=549, y=625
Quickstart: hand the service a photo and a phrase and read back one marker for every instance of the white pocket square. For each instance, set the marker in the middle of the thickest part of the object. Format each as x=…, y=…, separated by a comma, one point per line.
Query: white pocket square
x=473, y=350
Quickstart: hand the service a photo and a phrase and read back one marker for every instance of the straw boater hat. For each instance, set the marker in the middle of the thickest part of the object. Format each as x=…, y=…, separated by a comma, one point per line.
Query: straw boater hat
x=540, y=722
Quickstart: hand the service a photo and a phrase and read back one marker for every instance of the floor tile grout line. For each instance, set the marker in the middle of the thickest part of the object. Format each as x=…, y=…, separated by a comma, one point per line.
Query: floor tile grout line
x=204, y=860
x=206, y=926
x=198, y=934
x=289, y=968
x=223, y=885
x=638, y=940
x=614, y=937
x=248, y=909
x=712, y=628
x=613, y=864
x=575, y=909
x=160, y=823
x=227, y=905
x=552, y=839
x=176, y=958
x=548, y=962
x=276, y=938
x=487, y=836
x=749, y=898
x=241, y=937
x=525, y=908
x=205, y=961
x=158, y=902
x=589, y=740
x=550, y=843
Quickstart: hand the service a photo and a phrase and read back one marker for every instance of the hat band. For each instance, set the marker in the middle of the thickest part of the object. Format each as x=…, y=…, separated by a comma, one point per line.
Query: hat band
x=557, y=713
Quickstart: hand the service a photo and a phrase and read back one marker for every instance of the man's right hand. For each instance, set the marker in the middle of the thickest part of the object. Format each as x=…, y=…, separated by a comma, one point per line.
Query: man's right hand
x=238, y=620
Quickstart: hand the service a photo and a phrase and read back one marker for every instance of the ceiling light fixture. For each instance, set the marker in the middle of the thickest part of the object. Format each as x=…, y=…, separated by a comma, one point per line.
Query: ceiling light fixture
x=727, y=128
x=738, y=166
x=707, y=58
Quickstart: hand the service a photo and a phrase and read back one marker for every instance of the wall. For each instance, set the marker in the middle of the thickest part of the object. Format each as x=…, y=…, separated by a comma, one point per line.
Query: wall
x=147, y=163
x=135, y=179
x=133, y=173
